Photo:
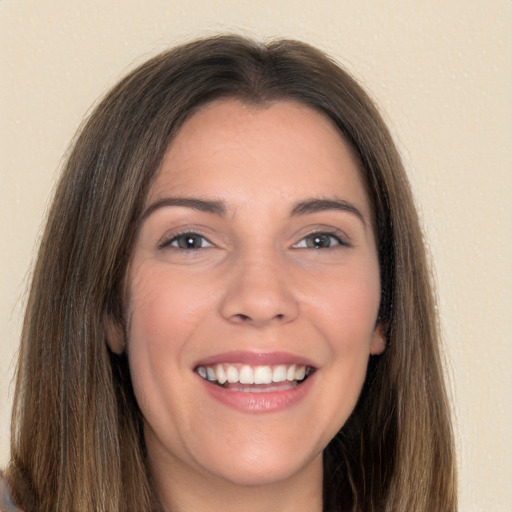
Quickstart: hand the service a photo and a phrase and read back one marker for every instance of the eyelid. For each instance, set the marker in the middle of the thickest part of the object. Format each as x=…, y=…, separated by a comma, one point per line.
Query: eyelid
x=168, y=238
x=341, y=238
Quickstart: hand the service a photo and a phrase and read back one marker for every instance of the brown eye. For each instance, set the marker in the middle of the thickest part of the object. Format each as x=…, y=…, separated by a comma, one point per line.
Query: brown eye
x=321, y=241
x=188, y=241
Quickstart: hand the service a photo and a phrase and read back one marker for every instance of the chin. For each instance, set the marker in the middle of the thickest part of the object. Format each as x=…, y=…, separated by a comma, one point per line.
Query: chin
x=257, y=467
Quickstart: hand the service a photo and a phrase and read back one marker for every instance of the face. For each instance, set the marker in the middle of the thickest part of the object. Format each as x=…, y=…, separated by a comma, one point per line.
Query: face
x=252, y=294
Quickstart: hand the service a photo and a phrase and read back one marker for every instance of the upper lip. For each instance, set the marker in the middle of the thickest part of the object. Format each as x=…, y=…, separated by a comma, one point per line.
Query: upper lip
x=255, y=358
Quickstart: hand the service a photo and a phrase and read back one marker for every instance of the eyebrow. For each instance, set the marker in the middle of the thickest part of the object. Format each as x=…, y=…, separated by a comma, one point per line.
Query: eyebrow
x=218, y=208
x=321, y=205
x=201, y=205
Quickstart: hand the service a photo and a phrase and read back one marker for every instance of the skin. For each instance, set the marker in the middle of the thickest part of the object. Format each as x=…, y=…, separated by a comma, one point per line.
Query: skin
x=255, y=283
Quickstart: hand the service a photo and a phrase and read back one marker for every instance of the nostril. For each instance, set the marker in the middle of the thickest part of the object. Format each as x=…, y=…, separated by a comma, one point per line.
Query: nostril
x=243, y=318
x=246, y=318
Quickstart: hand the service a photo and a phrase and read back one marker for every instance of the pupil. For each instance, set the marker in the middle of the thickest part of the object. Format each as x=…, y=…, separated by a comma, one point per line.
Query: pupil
x=320, y=242
x=190, y=242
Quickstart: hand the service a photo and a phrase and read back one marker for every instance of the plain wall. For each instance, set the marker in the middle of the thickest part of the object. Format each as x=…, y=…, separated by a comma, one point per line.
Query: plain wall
x=441, y=71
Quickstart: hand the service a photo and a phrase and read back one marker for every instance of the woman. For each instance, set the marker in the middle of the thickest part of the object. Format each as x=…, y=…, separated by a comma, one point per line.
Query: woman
x=231, y=305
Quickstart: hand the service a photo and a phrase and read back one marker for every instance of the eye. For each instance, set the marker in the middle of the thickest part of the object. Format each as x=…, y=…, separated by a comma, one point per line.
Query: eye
x=187, y=241
x=320, y=241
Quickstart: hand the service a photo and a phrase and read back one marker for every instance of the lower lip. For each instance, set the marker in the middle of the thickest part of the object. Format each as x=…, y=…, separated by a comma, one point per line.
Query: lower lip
x=272, y=401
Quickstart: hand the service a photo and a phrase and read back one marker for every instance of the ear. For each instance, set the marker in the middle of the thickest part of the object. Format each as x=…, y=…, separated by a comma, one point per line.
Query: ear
x=378, y=344
x=114, y=334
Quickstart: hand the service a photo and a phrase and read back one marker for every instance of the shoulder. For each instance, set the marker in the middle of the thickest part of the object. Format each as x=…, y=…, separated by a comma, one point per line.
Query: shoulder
x=6, y=503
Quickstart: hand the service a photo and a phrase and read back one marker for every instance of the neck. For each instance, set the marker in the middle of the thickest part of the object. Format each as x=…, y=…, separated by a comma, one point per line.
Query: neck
x=182, y=489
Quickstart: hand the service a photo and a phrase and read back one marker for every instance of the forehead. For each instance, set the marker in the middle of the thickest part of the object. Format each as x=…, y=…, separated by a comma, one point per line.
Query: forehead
x=277, y=151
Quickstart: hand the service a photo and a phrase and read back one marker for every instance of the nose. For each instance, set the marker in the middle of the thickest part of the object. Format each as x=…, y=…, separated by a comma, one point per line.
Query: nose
x=260, y=292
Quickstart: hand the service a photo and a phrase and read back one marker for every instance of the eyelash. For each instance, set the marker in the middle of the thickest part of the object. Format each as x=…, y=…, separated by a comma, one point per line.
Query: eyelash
x=186, y=234
x=340, y=241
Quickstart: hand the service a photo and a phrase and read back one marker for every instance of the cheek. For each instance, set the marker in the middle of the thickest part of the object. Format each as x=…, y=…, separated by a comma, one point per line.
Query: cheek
x=166, y=310
x=162, y=314
x=347, y=309
x=347, y=322
x=164, y=306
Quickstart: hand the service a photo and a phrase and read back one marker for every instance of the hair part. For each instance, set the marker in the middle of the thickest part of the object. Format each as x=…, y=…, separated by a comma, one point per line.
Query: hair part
x=77, y=439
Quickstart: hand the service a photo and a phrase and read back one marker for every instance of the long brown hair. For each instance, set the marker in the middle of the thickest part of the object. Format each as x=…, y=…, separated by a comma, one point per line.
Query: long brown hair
x=76, y=428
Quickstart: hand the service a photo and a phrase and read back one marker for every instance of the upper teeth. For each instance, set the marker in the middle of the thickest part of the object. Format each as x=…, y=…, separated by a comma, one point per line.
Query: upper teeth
x=245, y=374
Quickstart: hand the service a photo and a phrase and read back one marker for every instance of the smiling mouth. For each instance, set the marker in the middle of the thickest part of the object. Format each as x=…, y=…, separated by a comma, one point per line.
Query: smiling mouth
x=248, y=378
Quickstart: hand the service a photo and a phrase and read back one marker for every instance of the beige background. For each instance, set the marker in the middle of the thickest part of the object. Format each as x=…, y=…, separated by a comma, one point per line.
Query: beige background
x=441, y=72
